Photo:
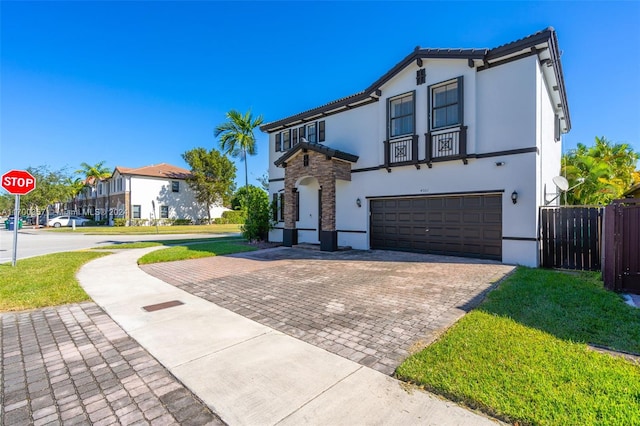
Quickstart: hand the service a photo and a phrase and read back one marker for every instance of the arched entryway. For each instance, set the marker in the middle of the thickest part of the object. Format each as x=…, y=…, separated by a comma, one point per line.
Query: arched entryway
x=307, y=163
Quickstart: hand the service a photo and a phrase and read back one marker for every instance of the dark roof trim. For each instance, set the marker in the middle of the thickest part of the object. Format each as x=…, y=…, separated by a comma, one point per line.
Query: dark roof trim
x=372, y=93
x=316, y=147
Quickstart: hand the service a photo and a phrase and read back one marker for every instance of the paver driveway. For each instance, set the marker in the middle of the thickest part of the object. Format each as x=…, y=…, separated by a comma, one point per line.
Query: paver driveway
x=372, y=307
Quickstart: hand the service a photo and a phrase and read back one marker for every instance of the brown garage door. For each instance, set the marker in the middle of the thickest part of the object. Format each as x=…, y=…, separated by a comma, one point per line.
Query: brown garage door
x=461, y=225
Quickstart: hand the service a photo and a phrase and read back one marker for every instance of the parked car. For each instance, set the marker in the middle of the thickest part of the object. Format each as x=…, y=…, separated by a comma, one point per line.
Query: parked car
x=59, y=221
x=43, y=218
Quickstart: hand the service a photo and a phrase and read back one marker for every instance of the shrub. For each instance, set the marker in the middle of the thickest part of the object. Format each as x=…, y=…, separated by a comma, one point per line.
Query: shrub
x=182, y=222
x=139, y=222
x=257, y=222
x=235, y=216
x=119, y=221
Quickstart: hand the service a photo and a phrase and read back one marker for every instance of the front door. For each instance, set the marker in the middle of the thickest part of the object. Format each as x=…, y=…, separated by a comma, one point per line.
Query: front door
x=319, y=213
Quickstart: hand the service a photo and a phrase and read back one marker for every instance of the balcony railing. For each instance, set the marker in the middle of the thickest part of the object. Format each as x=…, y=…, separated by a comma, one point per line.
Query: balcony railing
x=447, y=144
x=401, y=151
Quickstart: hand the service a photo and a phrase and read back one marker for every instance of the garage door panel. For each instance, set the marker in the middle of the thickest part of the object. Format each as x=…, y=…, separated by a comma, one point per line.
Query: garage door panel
x=469, y=225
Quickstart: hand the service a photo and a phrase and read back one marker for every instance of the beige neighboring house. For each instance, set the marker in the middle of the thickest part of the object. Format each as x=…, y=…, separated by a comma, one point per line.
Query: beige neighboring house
x=633, y=192
x=143, y=194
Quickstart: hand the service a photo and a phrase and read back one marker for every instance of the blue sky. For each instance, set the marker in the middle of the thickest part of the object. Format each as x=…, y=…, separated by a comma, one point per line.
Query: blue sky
x=139, y=83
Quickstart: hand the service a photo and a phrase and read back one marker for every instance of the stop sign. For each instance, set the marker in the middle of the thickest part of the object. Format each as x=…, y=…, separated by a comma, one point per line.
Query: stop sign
x=18, y=182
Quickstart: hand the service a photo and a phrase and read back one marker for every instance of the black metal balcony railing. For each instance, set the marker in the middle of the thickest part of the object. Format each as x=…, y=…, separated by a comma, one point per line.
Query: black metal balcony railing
x=447, y=145
x=401, y=151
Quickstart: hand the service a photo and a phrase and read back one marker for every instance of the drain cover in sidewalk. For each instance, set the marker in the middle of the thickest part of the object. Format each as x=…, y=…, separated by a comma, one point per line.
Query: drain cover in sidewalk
x=163, y=305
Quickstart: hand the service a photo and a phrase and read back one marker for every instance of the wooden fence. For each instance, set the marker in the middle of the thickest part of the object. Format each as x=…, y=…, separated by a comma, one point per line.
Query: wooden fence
x=621, y=268
x=570, y=237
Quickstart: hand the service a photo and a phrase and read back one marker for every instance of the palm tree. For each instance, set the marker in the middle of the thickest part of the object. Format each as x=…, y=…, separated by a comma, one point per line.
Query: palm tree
x=94, y=174
x=74, y=187
x=237, y=138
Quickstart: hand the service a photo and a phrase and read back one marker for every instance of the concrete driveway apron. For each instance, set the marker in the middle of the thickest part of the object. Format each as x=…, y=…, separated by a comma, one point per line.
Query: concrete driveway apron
x=371, y=307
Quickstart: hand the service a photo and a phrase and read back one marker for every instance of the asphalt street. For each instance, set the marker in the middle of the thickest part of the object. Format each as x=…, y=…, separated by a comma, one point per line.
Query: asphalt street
x=36, y=242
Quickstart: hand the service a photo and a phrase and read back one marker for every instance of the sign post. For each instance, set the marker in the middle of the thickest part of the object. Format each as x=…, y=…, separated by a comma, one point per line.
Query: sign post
x=17, y=182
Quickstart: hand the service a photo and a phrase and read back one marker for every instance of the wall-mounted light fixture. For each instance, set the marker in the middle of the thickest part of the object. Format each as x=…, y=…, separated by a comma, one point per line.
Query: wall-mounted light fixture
x=499, y=163
x=358, y=202
x=514, y=197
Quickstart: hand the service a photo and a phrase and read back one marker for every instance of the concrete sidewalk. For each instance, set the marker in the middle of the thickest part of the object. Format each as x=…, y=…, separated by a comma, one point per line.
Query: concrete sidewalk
x=250, y=374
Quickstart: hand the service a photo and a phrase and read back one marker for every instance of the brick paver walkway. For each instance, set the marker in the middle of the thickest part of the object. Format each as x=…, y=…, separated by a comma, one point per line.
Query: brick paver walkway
x=74, y=365
x=372, y=307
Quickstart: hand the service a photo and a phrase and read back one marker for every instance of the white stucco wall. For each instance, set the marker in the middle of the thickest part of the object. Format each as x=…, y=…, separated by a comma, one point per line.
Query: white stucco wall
x=506, y=106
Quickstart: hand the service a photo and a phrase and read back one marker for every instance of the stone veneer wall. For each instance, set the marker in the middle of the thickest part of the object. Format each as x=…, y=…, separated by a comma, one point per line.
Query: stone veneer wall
x=326, y=171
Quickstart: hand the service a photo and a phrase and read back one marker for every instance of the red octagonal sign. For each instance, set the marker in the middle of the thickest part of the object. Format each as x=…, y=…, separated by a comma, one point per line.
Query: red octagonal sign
x=18, y=182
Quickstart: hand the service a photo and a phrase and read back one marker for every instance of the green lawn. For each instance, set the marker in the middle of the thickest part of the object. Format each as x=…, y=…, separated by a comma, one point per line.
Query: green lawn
x=144, y=230
x=43, y=281
x=195, y=251
x=521, y=356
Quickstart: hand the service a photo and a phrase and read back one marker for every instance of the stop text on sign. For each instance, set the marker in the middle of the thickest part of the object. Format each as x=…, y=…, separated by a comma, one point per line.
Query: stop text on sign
x=17, y=181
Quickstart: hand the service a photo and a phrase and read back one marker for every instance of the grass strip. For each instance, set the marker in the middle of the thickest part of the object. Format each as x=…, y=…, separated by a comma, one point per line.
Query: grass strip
x=145, y=244
x=43, y=281
x=521, y=355
x=147, y=230
x=195, y=251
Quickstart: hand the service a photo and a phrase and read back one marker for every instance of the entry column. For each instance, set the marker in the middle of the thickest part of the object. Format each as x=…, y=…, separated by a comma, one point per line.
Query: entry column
x=328, y=233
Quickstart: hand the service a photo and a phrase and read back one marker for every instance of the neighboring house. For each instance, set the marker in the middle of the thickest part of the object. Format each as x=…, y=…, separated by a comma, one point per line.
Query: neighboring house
x=134, y=193
x=633, y=192
x=452, y=151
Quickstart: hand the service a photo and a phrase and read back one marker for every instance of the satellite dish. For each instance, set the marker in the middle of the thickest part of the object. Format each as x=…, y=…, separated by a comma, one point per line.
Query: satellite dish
x=561, y=183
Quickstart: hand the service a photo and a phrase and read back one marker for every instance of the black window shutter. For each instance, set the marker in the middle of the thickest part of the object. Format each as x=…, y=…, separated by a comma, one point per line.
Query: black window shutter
x=460, y=101
x=274, y=207
x=278, y=142
x=281, y=207
x=297, y=206
x=321, y=131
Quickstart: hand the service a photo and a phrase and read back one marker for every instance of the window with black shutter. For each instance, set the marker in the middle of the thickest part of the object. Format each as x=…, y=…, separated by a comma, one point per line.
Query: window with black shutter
x=294, y=137
x=421, y=76
x=311, y=133
x=447, y=104
x=320, y=131
x=301, y=132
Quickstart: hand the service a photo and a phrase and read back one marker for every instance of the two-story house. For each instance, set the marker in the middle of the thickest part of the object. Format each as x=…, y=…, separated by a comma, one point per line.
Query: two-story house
x=452, y=151
x=142, y=194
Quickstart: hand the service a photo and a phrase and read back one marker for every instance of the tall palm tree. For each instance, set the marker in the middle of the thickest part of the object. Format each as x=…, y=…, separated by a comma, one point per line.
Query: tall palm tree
x=237, y=138
x=94, y=174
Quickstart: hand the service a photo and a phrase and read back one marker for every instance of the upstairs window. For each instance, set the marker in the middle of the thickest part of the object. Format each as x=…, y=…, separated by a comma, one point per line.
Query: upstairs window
x=164, y=212
x=294, y=137
x=286, y=140
x=446, y=104
x=175, y=186
x=311, y=133
x=321, y=132
x=401, y=115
